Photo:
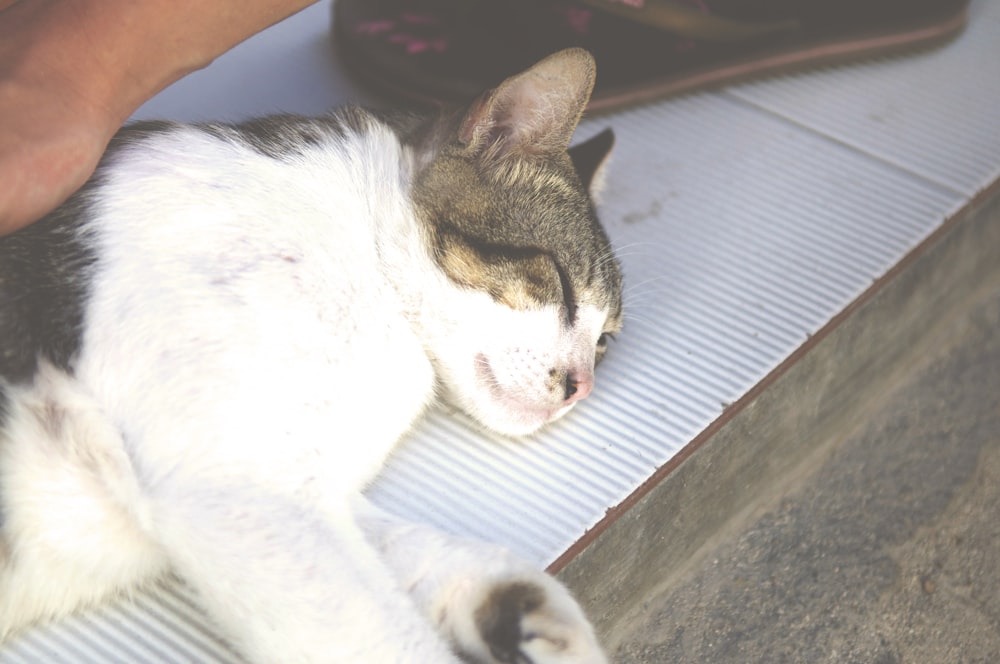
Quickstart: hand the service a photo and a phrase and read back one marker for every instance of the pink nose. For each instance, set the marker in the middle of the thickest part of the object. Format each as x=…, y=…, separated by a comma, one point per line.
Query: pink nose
x=578, y=386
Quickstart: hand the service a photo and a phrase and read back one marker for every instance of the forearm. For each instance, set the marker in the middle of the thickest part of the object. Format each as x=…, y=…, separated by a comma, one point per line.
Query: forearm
x=72, y=71
x=118, y=53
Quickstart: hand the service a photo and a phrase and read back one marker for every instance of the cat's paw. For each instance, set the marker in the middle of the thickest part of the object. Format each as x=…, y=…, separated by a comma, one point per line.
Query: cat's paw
x=529, y=619
x=489, y=605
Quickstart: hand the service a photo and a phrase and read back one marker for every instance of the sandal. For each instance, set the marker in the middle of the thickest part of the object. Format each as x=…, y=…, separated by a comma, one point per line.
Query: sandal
x=433, y=51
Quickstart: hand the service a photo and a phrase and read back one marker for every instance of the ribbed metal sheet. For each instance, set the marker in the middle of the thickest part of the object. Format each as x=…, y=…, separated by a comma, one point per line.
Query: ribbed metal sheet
x=745, y=220
x=933, y=114
x=161, y=625
x=741, y=235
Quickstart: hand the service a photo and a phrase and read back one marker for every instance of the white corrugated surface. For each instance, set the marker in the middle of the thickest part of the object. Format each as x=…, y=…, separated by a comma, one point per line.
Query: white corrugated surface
x=745, y=220
x=932, y=114
x=724, y=280
x=160, y=625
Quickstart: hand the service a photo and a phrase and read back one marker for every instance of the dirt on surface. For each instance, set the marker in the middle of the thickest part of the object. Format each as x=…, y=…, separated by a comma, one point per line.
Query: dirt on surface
x=887, y=552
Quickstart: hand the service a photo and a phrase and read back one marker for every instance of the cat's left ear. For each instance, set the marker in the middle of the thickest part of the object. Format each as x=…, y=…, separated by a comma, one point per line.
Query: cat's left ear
x=590, y=159
x=534, y=112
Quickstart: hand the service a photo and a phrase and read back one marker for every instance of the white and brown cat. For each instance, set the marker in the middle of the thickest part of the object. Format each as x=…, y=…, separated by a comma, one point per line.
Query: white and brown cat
x=209, y=351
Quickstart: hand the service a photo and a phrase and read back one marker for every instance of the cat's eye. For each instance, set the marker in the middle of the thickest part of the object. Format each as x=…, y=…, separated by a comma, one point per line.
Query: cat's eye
x=602, y=346
x=569, y=297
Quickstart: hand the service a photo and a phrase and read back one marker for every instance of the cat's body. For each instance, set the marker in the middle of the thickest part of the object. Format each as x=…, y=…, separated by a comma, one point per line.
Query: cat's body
x=210, y=350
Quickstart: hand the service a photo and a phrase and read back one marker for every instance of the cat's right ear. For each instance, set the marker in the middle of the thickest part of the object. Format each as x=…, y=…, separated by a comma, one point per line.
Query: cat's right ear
x=590, y=159
x=534, y=112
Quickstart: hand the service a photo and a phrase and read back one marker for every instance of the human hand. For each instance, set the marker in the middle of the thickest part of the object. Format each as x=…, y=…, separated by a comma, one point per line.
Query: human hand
x=72, y=71
x=53, y=128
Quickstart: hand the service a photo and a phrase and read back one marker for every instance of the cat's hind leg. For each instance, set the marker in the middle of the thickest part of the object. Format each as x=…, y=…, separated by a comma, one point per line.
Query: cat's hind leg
x=490, y=605
x=70, y=509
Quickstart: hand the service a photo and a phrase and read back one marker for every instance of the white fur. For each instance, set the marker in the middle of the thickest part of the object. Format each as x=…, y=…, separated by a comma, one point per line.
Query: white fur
x=208, y=433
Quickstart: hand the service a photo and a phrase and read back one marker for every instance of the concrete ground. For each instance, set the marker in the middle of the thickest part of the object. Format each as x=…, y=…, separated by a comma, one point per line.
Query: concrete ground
x=885, y=550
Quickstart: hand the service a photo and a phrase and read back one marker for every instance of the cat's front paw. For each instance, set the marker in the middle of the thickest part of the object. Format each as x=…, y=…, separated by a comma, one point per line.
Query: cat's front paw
x=530, y=620
x=489, y=605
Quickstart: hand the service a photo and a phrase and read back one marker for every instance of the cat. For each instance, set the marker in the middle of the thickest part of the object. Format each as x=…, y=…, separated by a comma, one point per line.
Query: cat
x=209, y=351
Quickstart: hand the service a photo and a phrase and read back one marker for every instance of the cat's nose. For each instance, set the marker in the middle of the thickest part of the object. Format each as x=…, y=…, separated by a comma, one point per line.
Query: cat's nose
x=578, y=386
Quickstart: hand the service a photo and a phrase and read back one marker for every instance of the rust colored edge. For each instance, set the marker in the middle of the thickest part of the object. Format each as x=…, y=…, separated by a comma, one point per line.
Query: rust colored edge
x=664, y=471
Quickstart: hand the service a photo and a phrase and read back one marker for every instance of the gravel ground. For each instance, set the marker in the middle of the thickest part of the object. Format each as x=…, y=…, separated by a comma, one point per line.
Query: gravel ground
x=887, y=552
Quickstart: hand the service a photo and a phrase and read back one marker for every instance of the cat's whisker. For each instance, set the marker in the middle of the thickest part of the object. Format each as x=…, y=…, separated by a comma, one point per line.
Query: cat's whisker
x=642, y=292
x=630, y=317
x=629, y=247
x=632, y=287
x=647, y=295
x=614, y=254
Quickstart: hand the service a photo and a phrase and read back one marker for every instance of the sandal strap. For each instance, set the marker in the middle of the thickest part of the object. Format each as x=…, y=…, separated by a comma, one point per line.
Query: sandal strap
x=683, y=20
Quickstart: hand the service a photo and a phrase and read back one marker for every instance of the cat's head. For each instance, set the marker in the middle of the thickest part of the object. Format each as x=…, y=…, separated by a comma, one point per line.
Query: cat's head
x=534, y=287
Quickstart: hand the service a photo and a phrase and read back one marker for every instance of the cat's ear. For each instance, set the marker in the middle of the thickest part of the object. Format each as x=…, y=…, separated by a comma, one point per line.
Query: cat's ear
x=534, y=112
x=590, y=159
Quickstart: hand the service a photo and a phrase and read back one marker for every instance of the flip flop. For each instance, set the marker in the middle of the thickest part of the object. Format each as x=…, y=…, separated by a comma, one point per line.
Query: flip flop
x=433, y=51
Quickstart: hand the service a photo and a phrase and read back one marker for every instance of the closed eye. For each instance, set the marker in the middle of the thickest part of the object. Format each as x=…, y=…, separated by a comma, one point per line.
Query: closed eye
x=569, y=297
